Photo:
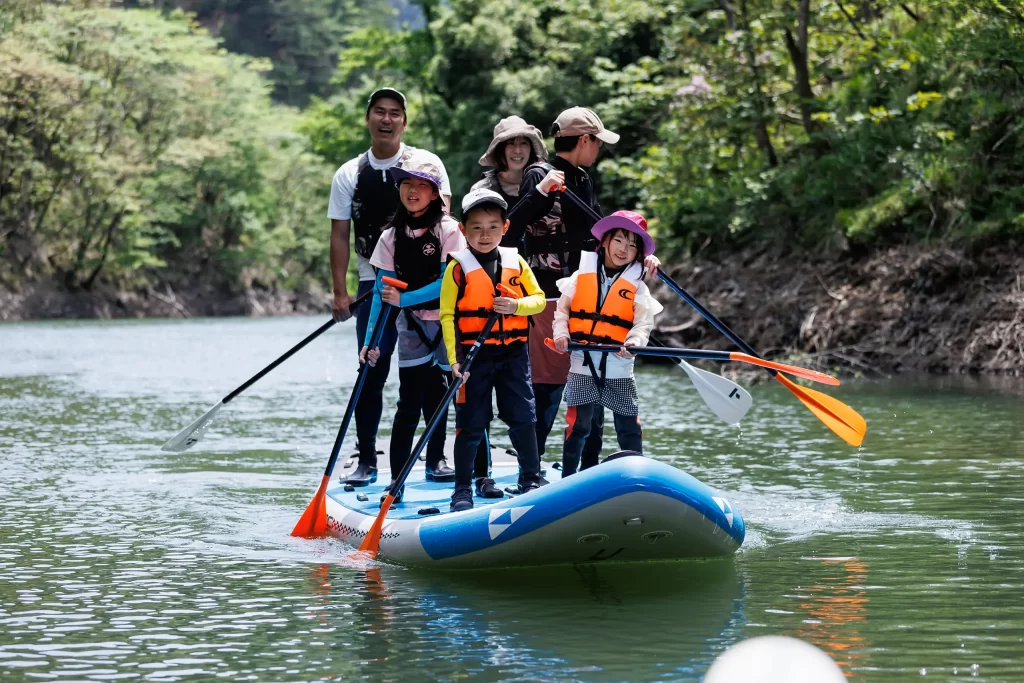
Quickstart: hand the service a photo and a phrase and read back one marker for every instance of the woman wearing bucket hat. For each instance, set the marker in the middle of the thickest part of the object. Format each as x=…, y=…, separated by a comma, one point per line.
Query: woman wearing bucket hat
x=605, y=302
x=415, y=249
x=516, y=145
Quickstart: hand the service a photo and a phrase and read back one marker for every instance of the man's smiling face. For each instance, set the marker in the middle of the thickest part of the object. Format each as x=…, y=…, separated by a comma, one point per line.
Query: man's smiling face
x=386, y=121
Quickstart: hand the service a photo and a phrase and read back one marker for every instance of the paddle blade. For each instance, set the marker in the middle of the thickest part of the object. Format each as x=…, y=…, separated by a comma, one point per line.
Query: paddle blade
x=726, y=399
x=190, y=435
x=313, y=522
x=371, y=542
x=846, y=422
x=794, y=370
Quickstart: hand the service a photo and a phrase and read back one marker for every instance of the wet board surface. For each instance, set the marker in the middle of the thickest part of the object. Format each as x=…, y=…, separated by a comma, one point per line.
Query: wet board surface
x=420, y=493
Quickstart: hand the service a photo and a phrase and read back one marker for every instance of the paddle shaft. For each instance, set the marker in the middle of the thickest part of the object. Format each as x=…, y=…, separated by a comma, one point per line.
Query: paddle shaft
x=435, y=419
x=371, y=542
x=292, y=351
x=378, y=333
x=659, y=351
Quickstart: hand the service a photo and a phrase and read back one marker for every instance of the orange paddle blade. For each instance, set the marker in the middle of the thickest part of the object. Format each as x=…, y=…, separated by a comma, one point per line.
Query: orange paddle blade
x=371, y=543
x=837, y=416
x=794, y=370
x=313, y=522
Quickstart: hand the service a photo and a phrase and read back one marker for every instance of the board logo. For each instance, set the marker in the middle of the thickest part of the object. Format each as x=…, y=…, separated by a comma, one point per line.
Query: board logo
x=724, y=505
x=499, y=520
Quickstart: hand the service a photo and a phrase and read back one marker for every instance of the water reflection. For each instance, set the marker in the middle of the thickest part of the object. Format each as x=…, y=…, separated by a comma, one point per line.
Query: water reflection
x=604, y=622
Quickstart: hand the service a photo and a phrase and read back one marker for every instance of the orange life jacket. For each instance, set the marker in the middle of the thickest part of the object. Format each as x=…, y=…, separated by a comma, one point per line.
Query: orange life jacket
x=476, y=299
x=612, y=323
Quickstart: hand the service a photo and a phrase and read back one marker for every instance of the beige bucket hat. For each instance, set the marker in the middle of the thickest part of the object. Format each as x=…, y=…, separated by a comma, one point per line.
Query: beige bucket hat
x=509, y=128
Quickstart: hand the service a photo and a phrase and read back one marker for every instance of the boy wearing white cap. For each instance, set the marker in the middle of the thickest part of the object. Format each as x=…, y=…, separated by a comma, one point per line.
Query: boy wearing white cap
x=502, y=367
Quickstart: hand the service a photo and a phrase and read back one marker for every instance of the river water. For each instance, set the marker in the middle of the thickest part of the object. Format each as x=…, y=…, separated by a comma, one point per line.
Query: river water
x=901, y=559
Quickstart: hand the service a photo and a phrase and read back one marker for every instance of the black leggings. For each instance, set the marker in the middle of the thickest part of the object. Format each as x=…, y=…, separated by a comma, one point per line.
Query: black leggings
x=420, y=391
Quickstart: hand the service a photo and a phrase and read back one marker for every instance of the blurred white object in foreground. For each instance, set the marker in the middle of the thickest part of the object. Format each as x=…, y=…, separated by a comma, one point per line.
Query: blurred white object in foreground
x=774, y=659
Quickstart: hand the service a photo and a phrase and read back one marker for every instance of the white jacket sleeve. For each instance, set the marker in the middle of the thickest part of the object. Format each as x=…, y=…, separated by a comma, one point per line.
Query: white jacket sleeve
x=560, y=325
x=645, y=307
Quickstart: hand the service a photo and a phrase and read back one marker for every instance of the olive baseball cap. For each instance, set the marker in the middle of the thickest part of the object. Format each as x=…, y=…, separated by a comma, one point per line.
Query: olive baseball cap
x=582, y=121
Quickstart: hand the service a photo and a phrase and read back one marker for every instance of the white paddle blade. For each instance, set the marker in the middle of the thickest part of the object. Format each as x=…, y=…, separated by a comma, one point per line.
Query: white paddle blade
x=190, y=435
x=726, y=399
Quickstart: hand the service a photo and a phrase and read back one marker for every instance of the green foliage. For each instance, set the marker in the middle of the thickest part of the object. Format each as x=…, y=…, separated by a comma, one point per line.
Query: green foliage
x=910, y=129
x=136, y=151
x=301, y=38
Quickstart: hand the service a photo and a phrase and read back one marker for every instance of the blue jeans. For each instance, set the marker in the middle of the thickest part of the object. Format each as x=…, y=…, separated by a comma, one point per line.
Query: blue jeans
x=370, y=404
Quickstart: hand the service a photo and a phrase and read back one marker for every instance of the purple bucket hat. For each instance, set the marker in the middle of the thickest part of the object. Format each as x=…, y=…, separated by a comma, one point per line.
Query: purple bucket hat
x=418, y=166
x=627, y=220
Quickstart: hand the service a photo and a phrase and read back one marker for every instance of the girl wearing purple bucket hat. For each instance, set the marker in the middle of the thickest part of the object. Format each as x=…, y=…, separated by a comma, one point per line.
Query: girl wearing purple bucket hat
x=605, y=302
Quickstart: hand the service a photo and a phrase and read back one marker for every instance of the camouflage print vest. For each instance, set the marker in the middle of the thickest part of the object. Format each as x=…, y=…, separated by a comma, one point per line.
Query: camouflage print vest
x=547, y=246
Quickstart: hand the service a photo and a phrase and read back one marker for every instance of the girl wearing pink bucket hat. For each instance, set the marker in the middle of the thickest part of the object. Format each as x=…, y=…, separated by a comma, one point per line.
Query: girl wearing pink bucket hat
x=605, y=302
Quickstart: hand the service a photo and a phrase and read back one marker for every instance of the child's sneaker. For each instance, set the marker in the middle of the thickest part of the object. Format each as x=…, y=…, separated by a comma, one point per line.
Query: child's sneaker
x=462, y=499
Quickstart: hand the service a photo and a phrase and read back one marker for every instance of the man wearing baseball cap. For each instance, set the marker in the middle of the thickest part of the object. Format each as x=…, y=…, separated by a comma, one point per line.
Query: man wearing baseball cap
x=364, y=198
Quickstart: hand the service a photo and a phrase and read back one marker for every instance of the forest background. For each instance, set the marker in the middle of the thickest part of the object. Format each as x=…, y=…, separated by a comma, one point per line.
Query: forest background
x=842, y=177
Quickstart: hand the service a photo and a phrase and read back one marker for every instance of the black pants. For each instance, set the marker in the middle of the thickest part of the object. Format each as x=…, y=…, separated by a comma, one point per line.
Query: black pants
x=549, y=398
x=420, y=391
x=502, y=372
x=580, y=419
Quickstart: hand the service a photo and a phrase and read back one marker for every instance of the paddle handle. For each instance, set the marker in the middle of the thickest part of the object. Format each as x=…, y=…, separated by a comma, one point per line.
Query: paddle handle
x=395, y=282
x=292, y=351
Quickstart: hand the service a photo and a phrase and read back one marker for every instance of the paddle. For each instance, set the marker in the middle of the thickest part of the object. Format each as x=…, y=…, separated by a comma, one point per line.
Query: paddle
x=314, y=520
x=703, y=354
x=190, y=435
x=726, y=399
x=371, y=543
x=843, y=420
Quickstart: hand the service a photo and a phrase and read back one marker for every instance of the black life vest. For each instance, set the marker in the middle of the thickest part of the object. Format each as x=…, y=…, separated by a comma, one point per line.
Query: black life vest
x=374, y=202
x=418, y=262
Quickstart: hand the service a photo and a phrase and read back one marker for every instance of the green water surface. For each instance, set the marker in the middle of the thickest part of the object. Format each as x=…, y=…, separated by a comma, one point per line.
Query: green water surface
x=901, y=559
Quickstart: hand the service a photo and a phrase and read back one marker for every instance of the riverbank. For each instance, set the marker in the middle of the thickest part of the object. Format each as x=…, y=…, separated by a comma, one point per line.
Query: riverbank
x=904, y=309
x=43, y=301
